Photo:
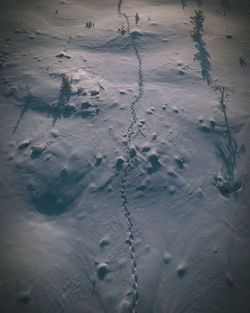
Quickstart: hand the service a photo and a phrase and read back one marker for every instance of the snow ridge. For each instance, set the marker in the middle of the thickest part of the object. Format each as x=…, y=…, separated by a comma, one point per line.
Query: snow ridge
x=129, y=161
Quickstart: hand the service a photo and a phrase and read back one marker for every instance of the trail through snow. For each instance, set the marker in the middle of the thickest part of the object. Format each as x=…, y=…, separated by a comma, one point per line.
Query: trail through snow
x=129, y=161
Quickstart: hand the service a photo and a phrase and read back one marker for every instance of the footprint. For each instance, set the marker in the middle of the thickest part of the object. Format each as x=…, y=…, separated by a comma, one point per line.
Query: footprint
x=94, y=93
x=181, y=269
x=145, y=148
x=172, y=189
x=155, y=163
x=102, y=270
x=24, y=144
x=98, y=159
x=38, y=148
x=25, y=297
x=180, y=162
x=166, y=257
x=229, y=279
x=54, y=133
x=119, y=163
x=104, y=241
x=132, y=151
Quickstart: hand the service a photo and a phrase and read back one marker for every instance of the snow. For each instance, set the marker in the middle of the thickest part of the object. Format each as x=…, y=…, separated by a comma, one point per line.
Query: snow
x=124, y=157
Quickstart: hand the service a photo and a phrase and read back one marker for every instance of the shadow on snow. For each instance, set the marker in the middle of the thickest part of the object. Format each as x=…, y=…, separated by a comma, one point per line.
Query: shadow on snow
x=229, y=153
x=203, y=57
x=62, y=108
x=226, y=6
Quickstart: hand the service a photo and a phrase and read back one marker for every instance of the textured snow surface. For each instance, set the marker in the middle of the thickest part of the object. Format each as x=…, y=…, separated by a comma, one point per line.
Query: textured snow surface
x=124, y=153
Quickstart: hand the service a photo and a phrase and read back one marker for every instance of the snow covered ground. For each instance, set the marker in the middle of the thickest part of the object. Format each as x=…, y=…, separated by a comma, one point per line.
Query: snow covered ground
x=124, y=157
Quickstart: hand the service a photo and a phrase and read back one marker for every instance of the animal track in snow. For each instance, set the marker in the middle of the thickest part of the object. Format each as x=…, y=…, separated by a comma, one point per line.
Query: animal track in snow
x=129, y=159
